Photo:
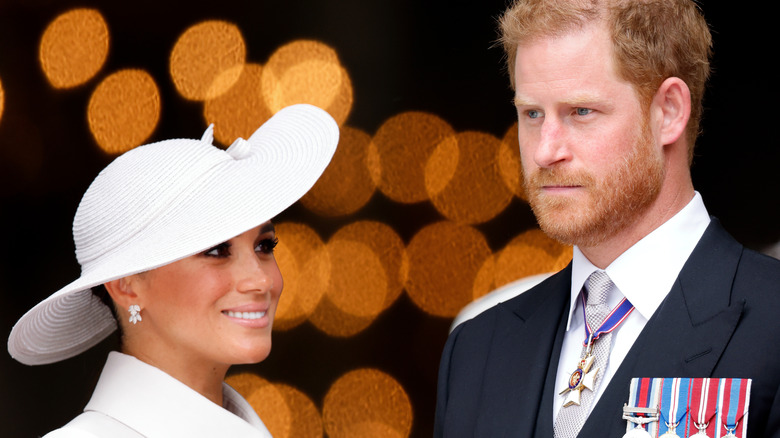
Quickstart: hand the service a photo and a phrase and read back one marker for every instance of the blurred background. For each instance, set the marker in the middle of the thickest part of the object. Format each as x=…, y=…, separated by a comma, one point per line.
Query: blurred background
x=420, y=213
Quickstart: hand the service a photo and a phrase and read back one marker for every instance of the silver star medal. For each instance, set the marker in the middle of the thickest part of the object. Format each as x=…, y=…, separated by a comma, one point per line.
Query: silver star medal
x=583, y=377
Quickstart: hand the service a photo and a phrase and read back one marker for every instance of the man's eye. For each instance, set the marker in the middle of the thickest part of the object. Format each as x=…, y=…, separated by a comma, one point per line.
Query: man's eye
x=266, y=246
x=534, y=114
x=221, y=250
x=583, y=111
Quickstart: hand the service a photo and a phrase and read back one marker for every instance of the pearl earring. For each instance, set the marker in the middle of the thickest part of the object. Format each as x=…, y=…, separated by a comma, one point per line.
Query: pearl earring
x=135, y=313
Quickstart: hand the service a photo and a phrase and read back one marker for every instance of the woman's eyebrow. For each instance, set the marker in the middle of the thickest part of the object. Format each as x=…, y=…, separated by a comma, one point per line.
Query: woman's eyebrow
x=267, y=228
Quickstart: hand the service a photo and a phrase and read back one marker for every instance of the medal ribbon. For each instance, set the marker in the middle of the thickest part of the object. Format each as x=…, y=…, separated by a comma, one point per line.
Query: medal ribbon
x=735, y=403
x=611, y=322
x=704, y=405
x=645, y=393
x=674, y=405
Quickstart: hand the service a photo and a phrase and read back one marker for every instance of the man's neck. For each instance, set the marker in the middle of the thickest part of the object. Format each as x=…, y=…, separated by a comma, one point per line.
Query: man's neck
x=660, y=211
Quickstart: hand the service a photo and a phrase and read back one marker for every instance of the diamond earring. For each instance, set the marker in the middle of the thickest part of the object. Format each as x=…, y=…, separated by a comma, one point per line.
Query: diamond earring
x=135, y=313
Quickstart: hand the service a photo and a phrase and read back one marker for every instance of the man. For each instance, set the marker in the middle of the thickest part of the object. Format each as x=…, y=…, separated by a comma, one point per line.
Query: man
x=608, y=96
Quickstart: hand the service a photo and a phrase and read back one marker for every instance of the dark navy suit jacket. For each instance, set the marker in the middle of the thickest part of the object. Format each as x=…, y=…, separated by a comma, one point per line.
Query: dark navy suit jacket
x=720, y=319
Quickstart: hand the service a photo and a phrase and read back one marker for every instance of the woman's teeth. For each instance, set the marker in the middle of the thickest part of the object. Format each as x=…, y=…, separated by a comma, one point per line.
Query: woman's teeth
x=244, y=315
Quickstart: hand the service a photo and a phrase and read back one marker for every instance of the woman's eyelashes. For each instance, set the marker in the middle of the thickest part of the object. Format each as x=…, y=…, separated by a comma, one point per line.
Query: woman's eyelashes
x=266, y=246
x=219, y=251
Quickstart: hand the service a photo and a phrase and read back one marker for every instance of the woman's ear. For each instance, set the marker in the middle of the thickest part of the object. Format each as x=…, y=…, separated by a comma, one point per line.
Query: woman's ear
x=122, y=292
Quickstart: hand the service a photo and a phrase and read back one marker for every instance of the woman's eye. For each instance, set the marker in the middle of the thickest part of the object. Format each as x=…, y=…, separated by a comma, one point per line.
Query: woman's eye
x=221, y=250
x=266, y=246
x=583, y=111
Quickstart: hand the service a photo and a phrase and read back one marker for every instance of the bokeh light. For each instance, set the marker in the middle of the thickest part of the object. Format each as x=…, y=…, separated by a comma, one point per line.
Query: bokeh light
x=207, y=59
x=400, y=151
x=285, y=411
x=358, y=282
x=240, y=110
x=387, y=245
x=509, y=163
x=531, y=252
x=124, y=110
x=346, y=185
x=305, y=265
x=368, y=273
x=74, y=47
x=444, y=259
x=367, y=402
x=464, y=180
x=333, y=321
x=2, y=100
x=307, y=72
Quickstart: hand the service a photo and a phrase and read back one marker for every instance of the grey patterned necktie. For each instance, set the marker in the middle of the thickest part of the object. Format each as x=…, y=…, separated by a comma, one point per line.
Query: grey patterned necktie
x=571, y=418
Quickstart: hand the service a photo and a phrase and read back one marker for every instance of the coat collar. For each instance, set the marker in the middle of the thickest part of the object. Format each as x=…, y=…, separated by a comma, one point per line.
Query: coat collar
x=157, y=405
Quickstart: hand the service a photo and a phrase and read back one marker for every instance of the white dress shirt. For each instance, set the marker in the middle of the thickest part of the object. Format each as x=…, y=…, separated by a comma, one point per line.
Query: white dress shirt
x=134, y=399
x=644, y=274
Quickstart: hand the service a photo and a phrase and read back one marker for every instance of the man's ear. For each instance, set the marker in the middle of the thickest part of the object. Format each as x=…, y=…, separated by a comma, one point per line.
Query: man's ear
x=672, y=104
x=122, y=292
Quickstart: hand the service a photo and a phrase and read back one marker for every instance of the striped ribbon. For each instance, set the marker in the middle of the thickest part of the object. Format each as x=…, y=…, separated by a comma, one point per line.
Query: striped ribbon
x=722, y=404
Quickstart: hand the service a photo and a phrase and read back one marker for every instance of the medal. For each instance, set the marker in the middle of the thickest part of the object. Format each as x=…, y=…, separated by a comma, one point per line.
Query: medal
x=584, y=377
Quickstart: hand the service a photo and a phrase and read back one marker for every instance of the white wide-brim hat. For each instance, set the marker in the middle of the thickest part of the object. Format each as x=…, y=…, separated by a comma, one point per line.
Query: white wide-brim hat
x=165, y=201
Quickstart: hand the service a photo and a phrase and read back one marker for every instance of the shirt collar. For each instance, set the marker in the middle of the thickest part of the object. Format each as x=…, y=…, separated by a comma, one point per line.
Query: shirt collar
x=157, y=405
x=645, y=273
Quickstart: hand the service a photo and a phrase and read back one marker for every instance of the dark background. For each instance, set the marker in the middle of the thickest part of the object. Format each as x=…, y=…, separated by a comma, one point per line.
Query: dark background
x=401, y=55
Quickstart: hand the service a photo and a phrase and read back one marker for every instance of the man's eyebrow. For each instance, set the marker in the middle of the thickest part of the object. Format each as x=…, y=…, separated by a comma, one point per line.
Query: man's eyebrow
x=578, y=99
x=521, y=101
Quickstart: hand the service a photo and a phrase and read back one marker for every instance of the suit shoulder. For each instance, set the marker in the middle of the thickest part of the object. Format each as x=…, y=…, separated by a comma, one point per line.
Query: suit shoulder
x=550, y=291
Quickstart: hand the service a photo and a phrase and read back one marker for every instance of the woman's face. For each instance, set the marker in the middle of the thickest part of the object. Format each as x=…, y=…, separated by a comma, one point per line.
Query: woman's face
x=215, y=308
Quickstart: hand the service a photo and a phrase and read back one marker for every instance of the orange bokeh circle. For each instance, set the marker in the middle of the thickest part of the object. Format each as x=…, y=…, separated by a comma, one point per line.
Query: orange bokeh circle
x=367, y=401
x=306, y=71
x=444, y=260
x=207, y=59
x=346, y=185
x=400, y=151
x=464, y=180
x=74, y=47
x=240, y=110
x=124, y=110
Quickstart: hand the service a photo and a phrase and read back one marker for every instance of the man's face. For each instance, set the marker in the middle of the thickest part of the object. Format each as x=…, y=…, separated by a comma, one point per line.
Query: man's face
x=591, y=163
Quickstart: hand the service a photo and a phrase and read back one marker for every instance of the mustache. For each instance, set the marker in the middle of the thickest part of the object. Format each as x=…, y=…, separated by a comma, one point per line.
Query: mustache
x=557, y=177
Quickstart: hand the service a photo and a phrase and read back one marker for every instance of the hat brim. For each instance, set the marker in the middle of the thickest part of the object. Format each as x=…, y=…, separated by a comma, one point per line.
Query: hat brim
x=288, y=154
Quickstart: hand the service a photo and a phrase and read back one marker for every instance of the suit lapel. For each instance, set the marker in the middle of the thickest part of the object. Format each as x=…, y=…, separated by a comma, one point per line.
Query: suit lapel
x=525, y=346
x=687, y=334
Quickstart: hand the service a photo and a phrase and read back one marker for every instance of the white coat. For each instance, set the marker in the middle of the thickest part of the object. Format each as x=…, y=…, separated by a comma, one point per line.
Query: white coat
x=133, y=399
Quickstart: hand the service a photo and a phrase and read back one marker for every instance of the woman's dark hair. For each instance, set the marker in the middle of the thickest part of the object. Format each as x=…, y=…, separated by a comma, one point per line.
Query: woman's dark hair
x=101, y=293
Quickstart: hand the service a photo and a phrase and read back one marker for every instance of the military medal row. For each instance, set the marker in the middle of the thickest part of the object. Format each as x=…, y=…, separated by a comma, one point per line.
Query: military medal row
x=687, y=408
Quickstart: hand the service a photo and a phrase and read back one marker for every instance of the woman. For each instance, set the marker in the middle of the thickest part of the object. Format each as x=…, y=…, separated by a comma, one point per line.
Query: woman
x=179, y=234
